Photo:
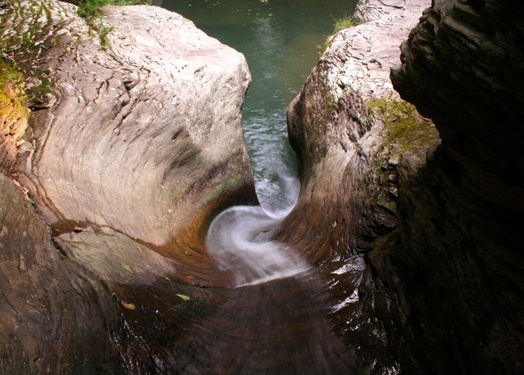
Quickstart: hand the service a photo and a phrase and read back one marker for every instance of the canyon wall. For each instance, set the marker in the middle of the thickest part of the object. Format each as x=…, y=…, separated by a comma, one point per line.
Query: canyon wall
x=462, y=214
x=350, y=129
x=419, y=241
x=134, y=142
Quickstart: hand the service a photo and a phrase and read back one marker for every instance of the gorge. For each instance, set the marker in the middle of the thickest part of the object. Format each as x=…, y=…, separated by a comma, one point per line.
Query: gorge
x=403, y=252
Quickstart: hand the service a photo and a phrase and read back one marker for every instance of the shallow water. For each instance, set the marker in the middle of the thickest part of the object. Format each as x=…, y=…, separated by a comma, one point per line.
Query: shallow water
x=236, y=239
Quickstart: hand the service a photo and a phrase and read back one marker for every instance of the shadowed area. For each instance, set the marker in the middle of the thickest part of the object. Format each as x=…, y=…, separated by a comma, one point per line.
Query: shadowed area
x=276, y=327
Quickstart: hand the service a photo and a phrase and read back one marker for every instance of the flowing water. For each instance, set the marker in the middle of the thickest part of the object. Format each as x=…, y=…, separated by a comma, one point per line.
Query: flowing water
x=280, y=39
x=273, y=320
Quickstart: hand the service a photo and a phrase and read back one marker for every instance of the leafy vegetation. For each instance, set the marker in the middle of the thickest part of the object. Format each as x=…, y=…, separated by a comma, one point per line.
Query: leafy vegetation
x=347, y=22
x=91, y=11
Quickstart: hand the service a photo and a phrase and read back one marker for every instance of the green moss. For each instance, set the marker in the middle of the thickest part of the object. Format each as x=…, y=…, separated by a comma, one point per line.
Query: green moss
x=403, y=124
x=13, y=99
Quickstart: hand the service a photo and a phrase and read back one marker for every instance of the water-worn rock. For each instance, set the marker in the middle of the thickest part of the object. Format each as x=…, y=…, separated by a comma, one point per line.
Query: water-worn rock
x=149, y=123
x=349, y=143
x=135, y=142
x=460, y=257
x=53, y=310
x=443, y=292
x=337, y=134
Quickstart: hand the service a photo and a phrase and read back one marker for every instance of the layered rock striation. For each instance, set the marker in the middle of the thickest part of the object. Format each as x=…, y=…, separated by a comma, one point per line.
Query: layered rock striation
x=56, y=317
x=134, y=143
x=462, y=213
x=439, y=224
x=344, y=140
x=350, y=129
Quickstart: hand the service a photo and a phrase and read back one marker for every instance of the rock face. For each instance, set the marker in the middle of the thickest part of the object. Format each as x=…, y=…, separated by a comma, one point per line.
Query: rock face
x=349, y=129
x=52, y=309
x=134, y=143
x=336, y=134
x=439, y=224
x=151, y=120
x=462, y=214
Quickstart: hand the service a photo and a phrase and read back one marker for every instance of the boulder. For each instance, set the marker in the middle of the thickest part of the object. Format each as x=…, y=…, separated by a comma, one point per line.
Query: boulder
x=344, y=140
x=350, y=130
x=134, y=144
x=144, y=132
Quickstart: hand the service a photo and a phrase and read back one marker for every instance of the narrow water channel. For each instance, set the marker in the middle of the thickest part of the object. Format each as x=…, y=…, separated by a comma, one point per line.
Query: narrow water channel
x=280, y=40
x=272, y=319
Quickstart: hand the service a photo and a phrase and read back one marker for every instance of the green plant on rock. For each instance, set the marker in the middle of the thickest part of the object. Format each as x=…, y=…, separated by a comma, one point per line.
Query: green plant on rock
x=347, y=22
x=91, y=11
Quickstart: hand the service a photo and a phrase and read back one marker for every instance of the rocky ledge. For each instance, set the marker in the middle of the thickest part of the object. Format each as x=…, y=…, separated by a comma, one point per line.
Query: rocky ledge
x=134, y=142
x=462, y=214
x=349, y=128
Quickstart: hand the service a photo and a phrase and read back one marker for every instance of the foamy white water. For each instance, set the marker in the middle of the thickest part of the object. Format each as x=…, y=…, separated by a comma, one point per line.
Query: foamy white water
x=236, y=239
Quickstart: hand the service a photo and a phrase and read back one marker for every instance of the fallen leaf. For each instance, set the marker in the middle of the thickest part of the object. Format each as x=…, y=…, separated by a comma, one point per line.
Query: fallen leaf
x=126, y=267
x=129, y=306
x=184, y=297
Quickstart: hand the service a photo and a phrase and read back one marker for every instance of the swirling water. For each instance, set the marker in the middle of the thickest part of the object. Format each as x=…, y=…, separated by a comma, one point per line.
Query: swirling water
x=273, y=320
x=232, y=240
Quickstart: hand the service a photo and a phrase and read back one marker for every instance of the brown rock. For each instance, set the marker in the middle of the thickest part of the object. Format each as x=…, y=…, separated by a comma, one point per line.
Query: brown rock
x=56, y=316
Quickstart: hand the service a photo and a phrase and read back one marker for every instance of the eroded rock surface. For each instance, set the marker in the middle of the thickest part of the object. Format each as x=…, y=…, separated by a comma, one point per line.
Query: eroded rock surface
x=142, y=124
x=337, y=134
x=53, y=310
x=349, y=148
x=462, y=215
x=134, y=143
x=443, y=290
